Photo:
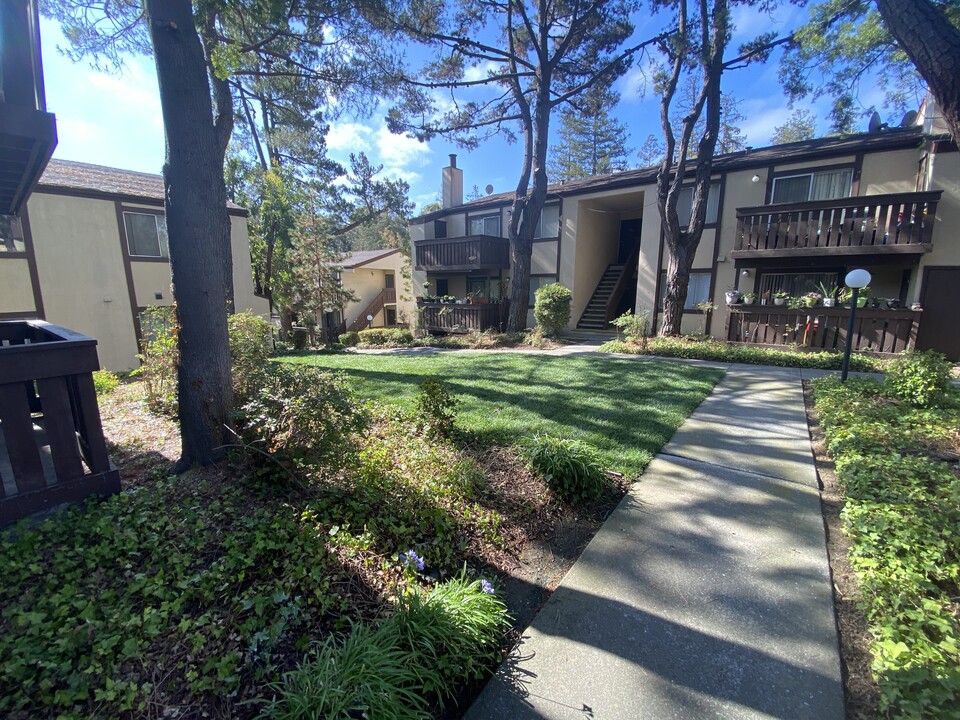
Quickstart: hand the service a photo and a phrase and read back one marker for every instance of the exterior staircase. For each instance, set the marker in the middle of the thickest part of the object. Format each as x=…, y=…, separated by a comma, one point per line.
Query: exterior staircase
x=385, y=297
x=596, y=316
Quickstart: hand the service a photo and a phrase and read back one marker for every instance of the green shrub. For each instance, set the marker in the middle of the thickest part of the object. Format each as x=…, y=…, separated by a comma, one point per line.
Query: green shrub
x=635, y=327
x=572, y=469
x=105, y=382
x=436, y=641
x=551, y=308
x=159, y=358
x=436, y=408
x=350, y=339
x=919, y=377
x=250, y=347
x=304, y=413
x=385, y=337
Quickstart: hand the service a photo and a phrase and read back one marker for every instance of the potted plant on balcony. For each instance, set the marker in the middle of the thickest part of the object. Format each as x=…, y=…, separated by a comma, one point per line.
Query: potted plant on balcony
x=426, y=297
x=780, y=297
x=749, y=298
x=732, y=296
x=847, y=295
x=829, y=293
x=810, y=299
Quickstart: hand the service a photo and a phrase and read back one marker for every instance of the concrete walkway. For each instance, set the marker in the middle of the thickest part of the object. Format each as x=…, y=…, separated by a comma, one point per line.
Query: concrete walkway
x=707, y=593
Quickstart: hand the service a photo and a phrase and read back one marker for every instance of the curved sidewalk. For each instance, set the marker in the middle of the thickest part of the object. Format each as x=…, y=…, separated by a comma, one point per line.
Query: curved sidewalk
x=707, y=593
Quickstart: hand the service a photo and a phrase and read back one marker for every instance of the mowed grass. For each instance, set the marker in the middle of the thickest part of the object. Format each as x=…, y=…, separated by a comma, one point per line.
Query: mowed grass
x=625, y=409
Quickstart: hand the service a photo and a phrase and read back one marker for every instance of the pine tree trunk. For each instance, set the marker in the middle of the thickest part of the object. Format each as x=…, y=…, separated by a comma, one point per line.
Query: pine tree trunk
x=933, y=45
x=521, y=253
x=196, y=207
x=678, y=280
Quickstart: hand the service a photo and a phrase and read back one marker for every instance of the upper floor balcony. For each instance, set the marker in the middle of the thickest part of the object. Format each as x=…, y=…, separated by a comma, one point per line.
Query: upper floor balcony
x=896, y=224
x=474, y=252
x=28, y=133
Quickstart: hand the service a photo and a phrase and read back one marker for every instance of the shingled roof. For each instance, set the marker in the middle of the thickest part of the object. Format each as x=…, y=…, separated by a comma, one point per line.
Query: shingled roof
x=363, y=257
x=98, y=180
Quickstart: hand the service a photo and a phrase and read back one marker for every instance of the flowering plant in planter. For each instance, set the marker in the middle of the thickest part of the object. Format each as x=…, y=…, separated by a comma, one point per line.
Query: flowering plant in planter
x=732, y=296
x=779, y=297
x=812, y=298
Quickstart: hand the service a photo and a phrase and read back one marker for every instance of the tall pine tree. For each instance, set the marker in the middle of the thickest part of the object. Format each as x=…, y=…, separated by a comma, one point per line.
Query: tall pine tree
x=591, y=142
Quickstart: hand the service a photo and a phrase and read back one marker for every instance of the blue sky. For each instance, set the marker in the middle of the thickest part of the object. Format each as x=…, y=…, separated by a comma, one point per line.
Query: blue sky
x=114, y=119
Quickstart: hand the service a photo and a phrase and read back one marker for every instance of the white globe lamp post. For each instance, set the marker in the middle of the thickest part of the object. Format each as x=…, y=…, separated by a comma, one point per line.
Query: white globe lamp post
x=856, y=280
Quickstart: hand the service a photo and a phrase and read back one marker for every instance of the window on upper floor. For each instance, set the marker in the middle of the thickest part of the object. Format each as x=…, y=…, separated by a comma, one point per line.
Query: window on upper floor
x=146, y=235
x=685, y=204
x=549, y=223
x=485, y=225
x=812, y=186
x=11, y=234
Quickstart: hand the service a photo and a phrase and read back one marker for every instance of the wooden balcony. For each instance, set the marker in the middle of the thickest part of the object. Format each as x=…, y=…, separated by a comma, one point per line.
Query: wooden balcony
x=52, y=448
x=452, y=318
x=474, y=252
x=820, y=328
x=891, y=225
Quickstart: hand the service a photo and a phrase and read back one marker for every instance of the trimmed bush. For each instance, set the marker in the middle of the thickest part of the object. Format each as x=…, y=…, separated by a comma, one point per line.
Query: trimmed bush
x=572, y=469
x=381, y=337
x=551, y=308
x=920, y=378
x=350, y=339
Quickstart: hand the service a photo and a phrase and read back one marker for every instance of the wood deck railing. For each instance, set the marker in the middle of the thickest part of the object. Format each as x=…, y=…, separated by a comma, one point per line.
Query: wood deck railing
x=475, y=252
x=387, y=296
x=52, y=448
x=819, y=328
x=439, y=317
x=859, y=225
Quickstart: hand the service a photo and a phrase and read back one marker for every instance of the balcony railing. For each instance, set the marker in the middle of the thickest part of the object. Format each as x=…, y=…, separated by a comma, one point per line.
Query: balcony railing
x=867, y=224
x=454, y=318
x=819, y=328
x=52, y=448
x=474, y=252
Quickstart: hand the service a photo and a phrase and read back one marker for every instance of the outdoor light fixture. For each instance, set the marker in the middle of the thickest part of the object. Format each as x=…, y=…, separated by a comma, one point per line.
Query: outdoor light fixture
x=755, y=179
x=744, y=273
x=369, y=320
x=855, y=280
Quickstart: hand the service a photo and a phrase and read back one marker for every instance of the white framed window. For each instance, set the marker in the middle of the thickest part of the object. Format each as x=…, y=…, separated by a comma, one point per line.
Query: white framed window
x=796, y=283
x=809, y=187
x=698, y=291
x=537, y=282
x=146, y=235
x=549, y=224
x=685, y=204
x=485, y=225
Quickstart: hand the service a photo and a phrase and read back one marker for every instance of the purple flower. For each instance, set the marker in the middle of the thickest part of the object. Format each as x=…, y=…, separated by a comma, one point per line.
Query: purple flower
x=487, y=587
x=411, y=558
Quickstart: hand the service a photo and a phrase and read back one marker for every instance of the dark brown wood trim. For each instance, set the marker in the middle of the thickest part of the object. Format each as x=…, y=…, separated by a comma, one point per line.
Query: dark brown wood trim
x=857, y=172
x=655, y=319
x=768, y=191
x=14, y=255
x=117, y=197
x=32, y=263
x=19, y=316
x=716, y=249
x=149, y=259
x=921, y=298
x=128, y=272
x=371, y=260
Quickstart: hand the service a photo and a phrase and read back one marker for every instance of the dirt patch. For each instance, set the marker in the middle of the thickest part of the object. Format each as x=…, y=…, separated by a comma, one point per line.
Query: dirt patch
x=860, y=691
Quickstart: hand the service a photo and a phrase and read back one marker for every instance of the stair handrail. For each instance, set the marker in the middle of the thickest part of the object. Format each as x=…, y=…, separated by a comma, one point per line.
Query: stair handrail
x=621, y=285
x=372, y=309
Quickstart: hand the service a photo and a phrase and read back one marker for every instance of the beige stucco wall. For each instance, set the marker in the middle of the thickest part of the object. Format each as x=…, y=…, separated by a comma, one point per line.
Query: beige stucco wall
x=813, y=164
x=597, y=240
x=83, y=283
x=889, y=172
x=80, y=267
x=16, y=295
x=368, y=280
x=944, y=176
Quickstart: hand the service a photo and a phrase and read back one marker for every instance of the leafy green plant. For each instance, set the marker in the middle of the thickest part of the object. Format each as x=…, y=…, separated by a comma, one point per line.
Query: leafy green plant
x=105, y=381
x=384, y=337
x=159, y=358
x=350, y=339
x=551, y=308
x=304, y=413
x=572, y=469
x=919, y=377
x=250, y=349
x=436, y=408
x=635, y=328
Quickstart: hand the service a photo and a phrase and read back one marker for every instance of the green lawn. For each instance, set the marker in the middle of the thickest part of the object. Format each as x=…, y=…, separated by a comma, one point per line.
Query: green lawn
x=626, y=409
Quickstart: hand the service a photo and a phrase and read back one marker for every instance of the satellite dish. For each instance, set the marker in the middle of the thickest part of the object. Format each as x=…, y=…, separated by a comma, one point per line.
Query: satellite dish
x=489, y=189
x=909, y=119
x=876, y=125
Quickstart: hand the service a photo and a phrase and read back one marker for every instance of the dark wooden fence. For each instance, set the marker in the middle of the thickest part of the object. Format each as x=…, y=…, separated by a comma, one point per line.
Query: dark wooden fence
x=52, y=450
x=820, y=328
x=881, y=222
x=476, y=252
x=463, y=318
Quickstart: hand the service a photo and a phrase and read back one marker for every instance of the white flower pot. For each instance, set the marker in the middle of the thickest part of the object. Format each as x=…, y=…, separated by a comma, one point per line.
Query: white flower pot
x=779, y=301
x=829, y=302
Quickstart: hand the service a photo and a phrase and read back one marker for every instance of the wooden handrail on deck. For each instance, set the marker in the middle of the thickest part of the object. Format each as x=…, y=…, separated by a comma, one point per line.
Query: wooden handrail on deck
x=881, y=223
x=53, y=450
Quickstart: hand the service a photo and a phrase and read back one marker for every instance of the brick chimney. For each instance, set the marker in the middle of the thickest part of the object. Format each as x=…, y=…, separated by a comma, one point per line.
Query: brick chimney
x=452, y=184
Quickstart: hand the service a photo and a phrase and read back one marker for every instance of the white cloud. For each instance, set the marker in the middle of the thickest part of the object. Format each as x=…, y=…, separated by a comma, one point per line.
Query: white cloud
x=481, y=71
x=400, y=154
x=350, y=137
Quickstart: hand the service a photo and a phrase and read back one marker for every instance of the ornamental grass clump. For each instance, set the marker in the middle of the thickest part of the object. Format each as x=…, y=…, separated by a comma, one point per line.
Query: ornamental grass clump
x=571, y=468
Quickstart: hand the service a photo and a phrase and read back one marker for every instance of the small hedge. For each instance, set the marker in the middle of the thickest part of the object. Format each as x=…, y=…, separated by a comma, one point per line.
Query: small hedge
x=720, y=351
x=902, y=513
x=551, y=308
x=384, y=337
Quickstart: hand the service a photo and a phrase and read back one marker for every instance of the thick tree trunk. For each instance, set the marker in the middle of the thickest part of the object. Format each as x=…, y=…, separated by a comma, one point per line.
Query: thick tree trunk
x=678, y=280
x=197, y=222
x=933, y=45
